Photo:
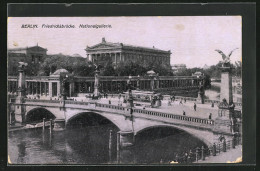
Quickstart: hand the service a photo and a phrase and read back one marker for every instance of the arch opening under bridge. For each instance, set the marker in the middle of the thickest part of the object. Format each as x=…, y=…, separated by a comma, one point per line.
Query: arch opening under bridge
x=37, y=115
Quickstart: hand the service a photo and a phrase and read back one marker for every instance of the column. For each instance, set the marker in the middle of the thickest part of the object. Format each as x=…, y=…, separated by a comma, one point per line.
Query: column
x=50, y=89
x=45, y=88
x=72, y=84
x=115, y=59
x=40, y=88
x=58, y=89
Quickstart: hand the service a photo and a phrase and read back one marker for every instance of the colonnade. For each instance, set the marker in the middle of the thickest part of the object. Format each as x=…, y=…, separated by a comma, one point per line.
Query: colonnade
x=108, y=84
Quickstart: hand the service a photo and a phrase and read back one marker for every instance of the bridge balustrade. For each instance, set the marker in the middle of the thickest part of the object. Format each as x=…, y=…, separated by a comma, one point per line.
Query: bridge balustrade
x=42, y=101
x=121, y=108
x=186, y=118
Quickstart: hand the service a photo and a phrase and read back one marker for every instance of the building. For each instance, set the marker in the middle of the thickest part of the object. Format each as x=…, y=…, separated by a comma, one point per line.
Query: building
x=118, y=53
x=31, y=55
x=178, y=67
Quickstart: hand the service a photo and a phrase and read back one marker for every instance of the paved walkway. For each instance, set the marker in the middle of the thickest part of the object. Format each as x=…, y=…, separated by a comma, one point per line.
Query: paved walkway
x=231, y=156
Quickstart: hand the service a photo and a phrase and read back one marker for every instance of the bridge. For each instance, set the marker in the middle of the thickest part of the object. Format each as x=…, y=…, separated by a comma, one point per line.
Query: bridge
x=129, y=121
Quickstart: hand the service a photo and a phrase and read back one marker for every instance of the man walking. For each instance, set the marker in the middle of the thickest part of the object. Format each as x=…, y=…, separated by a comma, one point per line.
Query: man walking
x=195, y=106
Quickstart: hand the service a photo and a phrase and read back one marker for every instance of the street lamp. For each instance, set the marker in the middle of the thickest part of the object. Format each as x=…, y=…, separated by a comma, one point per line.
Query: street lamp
x=138, y=82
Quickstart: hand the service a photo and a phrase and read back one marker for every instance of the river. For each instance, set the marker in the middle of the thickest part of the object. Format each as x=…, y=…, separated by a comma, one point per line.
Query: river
x=89, y=145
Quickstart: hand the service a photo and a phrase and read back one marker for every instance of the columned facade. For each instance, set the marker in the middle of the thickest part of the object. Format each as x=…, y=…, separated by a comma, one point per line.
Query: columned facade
x=49, y=86
x=117, y=53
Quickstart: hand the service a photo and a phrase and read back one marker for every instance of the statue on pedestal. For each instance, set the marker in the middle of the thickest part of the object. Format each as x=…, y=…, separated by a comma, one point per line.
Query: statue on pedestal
x=226, y=58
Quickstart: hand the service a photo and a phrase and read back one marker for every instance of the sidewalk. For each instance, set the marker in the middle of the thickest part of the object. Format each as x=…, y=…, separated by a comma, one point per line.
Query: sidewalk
x=231, y=156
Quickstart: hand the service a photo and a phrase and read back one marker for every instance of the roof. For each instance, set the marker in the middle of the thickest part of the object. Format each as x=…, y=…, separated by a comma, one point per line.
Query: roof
x=10, y=54
x=26, y=48
x=59, y=71
x=151, y=72
x=109, y=45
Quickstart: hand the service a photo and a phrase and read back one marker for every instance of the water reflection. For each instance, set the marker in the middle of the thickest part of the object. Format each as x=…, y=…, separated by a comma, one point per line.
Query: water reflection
x=90, y=145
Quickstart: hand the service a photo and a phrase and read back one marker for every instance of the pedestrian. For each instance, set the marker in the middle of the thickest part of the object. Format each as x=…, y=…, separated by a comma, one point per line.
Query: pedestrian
x=109, y=101
x=184, y=100
x=169, y=102
x=184, y=113
x=212, y=104
x=210, y=115
x=195, y=106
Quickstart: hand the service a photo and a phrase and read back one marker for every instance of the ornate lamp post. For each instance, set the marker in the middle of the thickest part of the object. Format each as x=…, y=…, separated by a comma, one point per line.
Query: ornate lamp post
x=138, y=82
x=130, y=96
x=201, y=92
x=64, y=94
x=96, y=83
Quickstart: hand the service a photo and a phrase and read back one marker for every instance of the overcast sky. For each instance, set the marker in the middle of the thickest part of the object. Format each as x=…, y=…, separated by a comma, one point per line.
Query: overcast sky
x=192, y=40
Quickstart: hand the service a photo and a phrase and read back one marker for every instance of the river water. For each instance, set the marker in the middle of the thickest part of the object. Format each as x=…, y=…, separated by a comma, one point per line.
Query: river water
x=89, y=145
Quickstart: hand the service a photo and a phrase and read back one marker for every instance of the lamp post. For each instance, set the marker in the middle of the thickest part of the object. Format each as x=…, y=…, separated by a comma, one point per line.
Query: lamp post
x=130, y=96
x=138, y=82
x=64, y=81
x=96, y=83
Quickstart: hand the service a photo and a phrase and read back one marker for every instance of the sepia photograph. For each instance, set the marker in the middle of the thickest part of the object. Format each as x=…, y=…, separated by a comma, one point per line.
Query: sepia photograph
x=124, y=90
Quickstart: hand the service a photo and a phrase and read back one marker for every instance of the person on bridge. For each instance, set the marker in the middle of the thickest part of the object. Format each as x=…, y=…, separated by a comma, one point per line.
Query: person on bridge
x=184, y=113
x=210, y=115
x=195, y=106
x=169, y=102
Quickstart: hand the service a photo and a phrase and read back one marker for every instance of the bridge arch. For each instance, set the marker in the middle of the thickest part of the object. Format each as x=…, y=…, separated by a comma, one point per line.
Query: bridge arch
x=118, y=121
x=203, y=135
x=37, y=114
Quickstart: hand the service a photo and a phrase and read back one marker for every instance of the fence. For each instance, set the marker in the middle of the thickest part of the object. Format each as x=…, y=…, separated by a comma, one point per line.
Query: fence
x=200, y=153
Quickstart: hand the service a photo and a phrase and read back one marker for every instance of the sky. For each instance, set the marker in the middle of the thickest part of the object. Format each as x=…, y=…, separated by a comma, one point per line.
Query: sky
x=191, y=39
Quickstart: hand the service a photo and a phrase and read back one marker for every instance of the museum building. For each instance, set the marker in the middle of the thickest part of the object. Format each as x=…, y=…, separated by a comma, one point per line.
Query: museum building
x=119, y=53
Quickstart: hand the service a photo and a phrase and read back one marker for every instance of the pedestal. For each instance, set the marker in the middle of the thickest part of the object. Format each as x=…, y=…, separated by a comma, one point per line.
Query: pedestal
x=20, y=110
x=226, y=85
x=59, y=125
x=126, y=139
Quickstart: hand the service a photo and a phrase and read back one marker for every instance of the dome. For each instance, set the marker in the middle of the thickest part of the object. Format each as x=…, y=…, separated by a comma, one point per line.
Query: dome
x=59, y=71
x=151, y=73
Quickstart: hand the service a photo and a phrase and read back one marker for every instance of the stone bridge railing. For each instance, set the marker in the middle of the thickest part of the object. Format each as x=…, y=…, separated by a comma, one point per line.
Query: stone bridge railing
x=195, y=99
x=165, y=97
x=200, y=122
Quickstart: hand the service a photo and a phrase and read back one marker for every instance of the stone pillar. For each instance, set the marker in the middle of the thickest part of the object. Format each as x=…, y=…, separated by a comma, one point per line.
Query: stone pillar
x=59, y=125
x=226, y=85
x=224, y=123
x=126, y=138
x=72, y=85
x=45, y=88
x=96, y=84
x=50, y=89
x=20, y=108
x=59, y=89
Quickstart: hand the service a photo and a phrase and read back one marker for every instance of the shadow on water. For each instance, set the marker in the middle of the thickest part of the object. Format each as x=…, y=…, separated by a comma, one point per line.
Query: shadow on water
x=88, y=144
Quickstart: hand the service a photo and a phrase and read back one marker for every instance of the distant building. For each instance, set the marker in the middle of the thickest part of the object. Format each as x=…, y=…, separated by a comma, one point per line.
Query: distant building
x=30, y=55
x=206, y=67
x=117, y=53
x=198, y=74
x=178, y=67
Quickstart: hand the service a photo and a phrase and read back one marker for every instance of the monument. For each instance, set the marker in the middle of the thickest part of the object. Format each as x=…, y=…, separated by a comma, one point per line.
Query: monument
x=225, y=121
x=201, y=93
x=20, y=108
x=96, y=83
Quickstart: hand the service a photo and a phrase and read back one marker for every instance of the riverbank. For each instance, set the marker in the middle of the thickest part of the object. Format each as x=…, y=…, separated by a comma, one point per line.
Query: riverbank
x=231, y=156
